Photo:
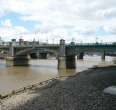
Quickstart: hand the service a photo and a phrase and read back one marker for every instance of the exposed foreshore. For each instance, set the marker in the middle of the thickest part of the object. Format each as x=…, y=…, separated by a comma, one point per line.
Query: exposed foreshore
x=83, y=91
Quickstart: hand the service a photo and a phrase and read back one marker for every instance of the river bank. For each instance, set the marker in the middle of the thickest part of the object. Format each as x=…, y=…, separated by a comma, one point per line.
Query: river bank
x=83, y=91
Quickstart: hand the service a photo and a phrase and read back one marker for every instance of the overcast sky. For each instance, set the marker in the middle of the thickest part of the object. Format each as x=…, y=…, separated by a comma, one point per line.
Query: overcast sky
x=78, y=20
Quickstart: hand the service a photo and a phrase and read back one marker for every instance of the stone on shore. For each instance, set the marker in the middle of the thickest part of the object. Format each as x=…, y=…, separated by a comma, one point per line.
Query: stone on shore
x=83, y=91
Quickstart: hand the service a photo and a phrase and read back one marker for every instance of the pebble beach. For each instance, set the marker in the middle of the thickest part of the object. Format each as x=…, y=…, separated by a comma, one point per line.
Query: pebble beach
x=83, y=91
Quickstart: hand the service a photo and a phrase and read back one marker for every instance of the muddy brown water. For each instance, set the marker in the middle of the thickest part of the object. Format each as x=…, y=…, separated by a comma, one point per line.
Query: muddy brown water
x=12, y=78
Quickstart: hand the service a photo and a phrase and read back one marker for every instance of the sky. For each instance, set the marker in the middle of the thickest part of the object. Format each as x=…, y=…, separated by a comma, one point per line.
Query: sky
x=51, y=20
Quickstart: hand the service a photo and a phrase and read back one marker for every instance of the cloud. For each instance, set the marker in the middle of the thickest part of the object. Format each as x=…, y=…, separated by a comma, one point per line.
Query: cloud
x=79, y=19
x=8, y=31
x=7, y=23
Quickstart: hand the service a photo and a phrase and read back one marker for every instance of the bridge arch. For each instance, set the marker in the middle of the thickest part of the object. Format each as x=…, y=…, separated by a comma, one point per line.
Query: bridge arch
x=35, y=50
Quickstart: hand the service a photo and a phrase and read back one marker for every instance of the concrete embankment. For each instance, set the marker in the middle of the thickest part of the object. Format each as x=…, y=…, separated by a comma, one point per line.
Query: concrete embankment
x=83, y=91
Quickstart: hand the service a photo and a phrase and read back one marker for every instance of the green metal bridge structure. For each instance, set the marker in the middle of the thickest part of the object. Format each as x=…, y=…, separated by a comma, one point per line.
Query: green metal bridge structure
x=17, y=55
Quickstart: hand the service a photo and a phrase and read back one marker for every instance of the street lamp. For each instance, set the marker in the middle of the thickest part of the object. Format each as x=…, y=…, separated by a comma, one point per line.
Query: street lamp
x=96, y=40
x=47, y=40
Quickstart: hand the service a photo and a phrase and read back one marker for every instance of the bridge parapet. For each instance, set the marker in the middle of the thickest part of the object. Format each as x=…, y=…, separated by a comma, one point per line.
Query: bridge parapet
x=75, y=49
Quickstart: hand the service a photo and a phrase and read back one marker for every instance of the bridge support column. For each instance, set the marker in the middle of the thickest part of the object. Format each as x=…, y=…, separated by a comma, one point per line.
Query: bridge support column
x=9, y=61
x=70, y=62
x=103, y=56
x=61, y=57
x=42, y=55
x=80, y=56
x=61, y=63
x=21, y=60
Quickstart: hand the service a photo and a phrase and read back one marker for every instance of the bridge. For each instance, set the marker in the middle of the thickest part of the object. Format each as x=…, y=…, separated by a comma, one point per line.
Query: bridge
x=18, y=55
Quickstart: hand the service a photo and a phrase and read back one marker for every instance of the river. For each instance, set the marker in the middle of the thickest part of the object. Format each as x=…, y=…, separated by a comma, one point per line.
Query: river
x=12, y=78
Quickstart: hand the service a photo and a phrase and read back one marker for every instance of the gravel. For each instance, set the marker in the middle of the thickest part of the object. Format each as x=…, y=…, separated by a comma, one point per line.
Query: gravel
x=83, y=91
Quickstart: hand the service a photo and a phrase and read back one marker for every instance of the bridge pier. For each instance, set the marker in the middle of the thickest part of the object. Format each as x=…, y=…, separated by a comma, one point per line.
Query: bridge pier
x=21, y=60
x=103, y=56
x=61, y=56
x=9, y=61
x=70, y=62
x=61, y=62
x=80, y=56
x=16, y=60
x=42, y=55
x=65, y=61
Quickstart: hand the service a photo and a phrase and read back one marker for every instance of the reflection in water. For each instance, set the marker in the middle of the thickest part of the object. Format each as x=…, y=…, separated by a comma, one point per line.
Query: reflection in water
x=67, y=72
x=39, y=70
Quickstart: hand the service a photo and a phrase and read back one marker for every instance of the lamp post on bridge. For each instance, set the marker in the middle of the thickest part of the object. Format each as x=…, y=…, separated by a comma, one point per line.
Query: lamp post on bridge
x=36, y=33
x=34, y=42
x=96, y=40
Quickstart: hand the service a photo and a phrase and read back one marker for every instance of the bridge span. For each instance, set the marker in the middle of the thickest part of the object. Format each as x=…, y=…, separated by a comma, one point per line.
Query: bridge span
x=65, y=53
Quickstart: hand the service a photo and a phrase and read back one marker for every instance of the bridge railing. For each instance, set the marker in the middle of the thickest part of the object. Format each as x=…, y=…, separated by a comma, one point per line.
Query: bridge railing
x=82, y=44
